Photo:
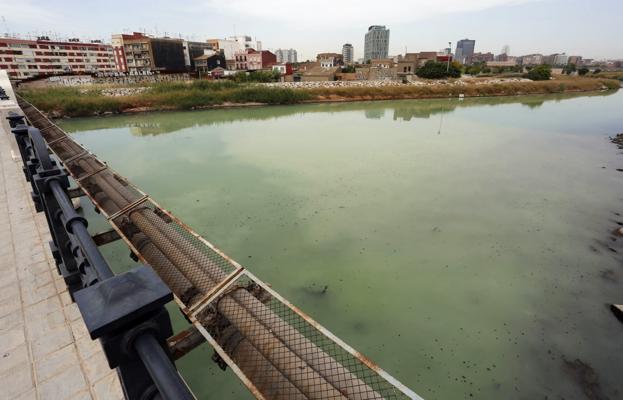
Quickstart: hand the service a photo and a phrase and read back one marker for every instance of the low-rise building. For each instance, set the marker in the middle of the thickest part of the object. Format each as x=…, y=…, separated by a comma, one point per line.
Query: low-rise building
x=330, y=60
x=30, y=58
x=532, y=59
x=209, y=61
x=318, y=74
x=482, y=57
x=253, y=60
x=283, y=69
x=501, y=64
x=138, y=54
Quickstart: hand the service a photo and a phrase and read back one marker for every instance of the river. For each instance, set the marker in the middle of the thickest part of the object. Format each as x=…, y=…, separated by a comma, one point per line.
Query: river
x=465, y=246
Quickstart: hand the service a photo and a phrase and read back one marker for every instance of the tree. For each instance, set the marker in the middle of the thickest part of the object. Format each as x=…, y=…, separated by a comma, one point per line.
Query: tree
x=541, y=72
x=436, y=70
x=569, y=69
x=596, y=71
x=348, y=69
x=583, y=71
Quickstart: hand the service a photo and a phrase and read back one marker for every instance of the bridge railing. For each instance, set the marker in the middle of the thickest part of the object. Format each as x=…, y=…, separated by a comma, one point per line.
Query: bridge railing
x=126, y=311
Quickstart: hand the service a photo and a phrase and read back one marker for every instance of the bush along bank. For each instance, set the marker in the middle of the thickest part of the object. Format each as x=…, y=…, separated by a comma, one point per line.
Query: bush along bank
x=60, y=101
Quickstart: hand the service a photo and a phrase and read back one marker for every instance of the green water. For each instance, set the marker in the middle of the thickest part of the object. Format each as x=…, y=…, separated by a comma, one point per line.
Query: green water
x=464, y=244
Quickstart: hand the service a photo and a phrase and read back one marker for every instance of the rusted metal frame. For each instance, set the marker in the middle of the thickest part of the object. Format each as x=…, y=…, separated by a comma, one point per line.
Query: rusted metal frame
x=106, y=237
x=364, y=360
x=97, y=171
x=75, y=192
x=199, y=237
x=184, y=342
x=231, y=363
x=216, y=291
x=46, y=127
x=60, y=139
x=75, y=156
x=130, y=206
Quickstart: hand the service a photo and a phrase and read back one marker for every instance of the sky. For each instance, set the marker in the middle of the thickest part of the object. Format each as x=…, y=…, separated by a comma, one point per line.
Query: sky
x=590, y=28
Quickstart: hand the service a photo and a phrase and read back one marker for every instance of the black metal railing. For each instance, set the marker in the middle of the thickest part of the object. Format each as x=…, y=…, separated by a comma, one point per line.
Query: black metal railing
x=125, y=312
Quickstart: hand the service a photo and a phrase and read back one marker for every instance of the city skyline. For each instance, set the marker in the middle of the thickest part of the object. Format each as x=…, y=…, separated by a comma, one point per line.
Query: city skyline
x=573, y=27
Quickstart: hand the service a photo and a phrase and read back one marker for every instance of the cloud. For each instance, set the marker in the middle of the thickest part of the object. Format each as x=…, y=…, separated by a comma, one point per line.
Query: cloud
x=331, y=13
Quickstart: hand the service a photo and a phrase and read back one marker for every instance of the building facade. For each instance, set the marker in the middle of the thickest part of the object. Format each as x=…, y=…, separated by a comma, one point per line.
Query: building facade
x=30, y=58
x=465, y=51
x=286, y=56
x=376, y=43
x=330, y=60
x=139, y=54
x=252, y=60
x=192, y=50
x=348, y=53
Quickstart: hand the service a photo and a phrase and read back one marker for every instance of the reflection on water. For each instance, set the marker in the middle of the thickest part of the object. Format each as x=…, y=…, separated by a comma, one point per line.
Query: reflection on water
x=159, y=123
x=474, y=263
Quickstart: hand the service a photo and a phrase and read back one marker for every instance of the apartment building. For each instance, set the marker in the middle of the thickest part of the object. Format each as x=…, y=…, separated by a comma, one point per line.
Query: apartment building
x=252, y=60
x=286, y=55
x=138, y=54
x=30, y=58
x=376, y=43
x=348, y=53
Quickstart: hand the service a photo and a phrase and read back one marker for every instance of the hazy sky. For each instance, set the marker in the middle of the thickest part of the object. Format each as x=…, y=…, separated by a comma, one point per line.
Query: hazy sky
x=591, y=28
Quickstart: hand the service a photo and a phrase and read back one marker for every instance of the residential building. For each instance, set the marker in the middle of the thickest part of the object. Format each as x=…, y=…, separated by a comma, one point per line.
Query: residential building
x=330, y=60
x=29, y=58
x=138, y=53
x=348, y=53
x=561, y=59
x=502, y=64
x=252, y=60
x=376, y=43
x=577, y=60
x=233, y=45
x=192, y=50
x=209, y=61
x=286, y=56
x=532, y=59
x=316, y=74
x=283, y=68
x=482, y=57
x=465, y=51
x=382, y=63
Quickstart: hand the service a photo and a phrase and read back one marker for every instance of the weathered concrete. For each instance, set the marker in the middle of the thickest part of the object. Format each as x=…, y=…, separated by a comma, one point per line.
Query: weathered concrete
x=45, y=350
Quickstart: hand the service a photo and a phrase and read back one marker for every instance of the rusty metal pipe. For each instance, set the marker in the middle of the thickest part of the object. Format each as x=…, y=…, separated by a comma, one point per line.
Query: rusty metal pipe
x=297, y=343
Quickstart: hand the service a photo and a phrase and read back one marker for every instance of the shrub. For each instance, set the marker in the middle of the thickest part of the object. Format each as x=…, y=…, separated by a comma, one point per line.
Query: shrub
x=583, y=71
x=437, y=70
x=540, y=73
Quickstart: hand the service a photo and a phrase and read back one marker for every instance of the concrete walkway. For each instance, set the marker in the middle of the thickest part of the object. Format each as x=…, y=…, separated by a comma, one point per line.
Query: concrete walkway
x=45, y=350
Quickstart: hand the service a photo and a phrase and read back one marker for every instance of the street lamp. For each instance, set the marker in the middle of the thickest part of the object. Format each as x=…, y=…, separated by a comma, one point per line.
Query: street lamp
x=450, y=52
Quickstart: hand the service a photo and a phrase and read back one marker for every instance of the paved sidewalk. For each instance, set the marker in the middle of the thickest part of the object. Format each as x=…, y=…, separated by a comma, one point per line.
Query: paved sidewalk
x=45, y=350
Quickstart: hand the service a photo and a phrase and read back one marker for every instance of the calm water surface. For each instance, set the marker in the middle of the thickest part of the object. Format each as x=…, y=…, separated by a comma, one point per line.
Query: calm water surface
x=466, y=246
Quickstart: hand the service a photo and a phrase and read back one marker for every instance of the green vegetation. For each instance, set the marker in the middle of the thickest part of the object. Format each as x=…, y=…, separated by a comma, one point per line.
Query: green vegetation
x=583, y=71
x=562, y=85
x=569, y=69
x=541, y=72
x=61, y=101
x=349, y=69
x=437, y=70
x=161, y=96
x=257, y=76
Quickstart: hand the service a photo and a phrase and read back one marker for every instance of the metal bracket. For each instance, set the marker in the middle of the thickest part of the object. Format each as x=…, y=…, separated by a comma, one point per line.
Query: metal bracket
x=106, y=237
x=128, y=207
x=97, y=171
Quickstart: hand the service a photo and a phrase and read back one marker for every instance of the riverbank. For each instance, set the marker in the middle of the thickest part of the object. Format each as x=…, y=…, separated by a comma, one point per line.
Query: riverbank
x=100, y=100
